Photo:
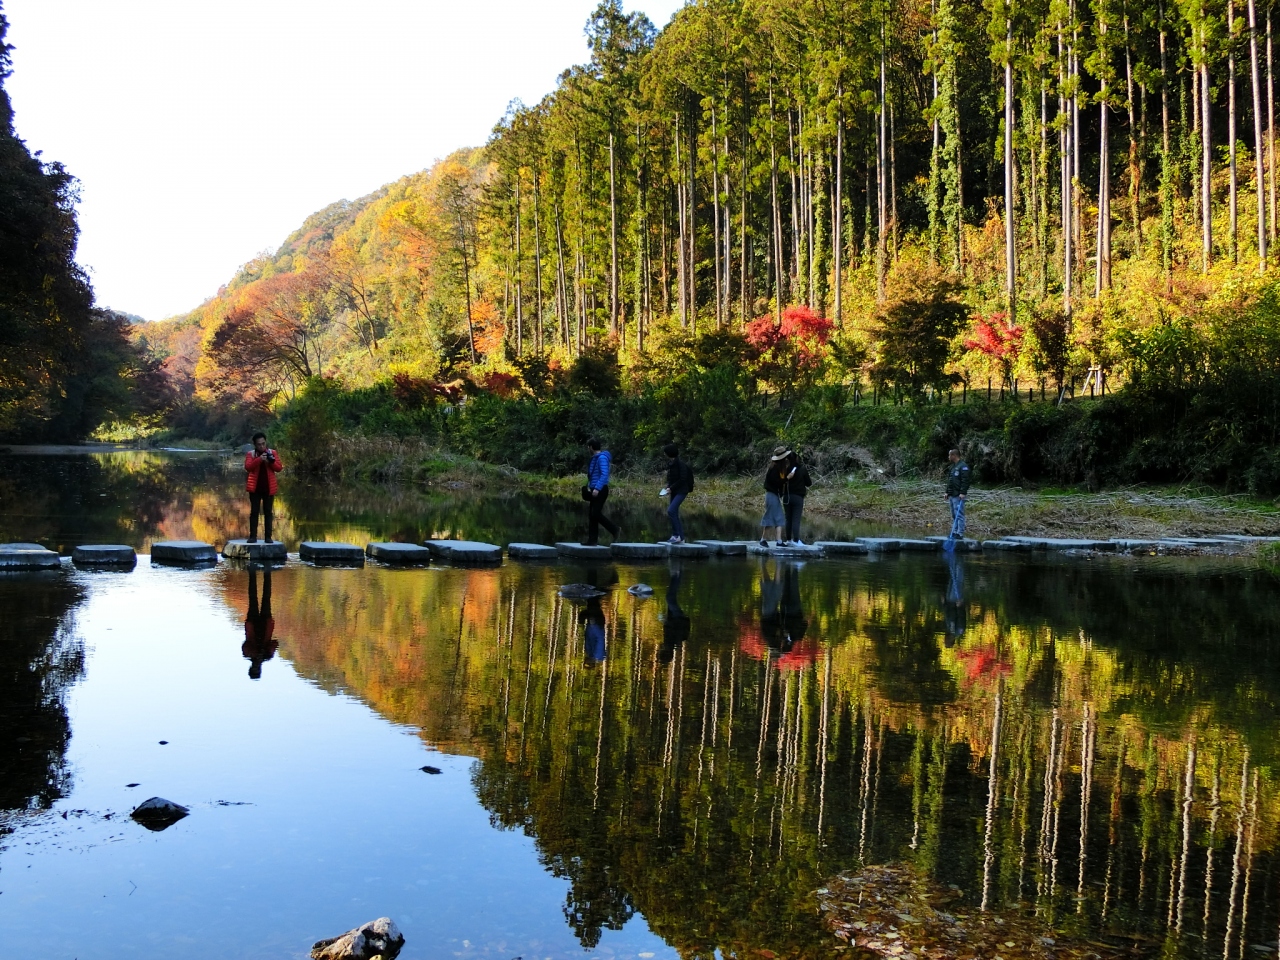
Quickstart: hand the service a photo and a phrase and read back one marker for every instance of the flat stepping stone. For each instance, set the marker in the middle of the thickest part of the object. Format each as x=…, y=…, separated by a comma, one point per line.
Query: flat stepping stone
x=464, y=551
x=691, y=551
x=321, y=551
x=1013, y=545
x=726, y=548
x=964, y=544
x=880, y=544
x=773, y=551
x=104, y=554
x=398, y=553
x=640, y=551
x=28, y=556
x=183, y=552
x=847, y=548
x=531, y=551
x=262, y=550
x=579, y=551
x=1064, y=543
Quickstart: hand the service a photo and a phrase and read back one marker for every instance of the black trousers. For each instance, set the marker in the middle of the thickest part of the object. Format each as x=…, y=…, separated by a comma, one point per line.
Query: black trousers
x=260, y=502
x=596, y=518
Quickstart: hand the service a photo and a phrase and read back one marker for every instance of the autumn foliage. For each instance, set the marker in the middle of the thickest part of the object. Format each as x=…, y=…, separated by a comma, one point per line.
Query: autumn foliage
x=995, y=337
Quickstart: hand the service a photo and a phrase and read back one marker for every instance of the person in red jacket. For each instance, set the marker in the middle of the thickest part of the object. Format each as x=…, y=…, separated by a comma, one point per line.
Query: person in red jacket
x=261, y=465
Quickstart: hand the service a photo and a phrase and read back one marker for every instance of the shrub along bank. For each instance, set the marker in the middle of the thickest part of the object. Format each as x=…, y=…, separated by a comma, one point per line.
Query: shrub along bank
x=1218, y=434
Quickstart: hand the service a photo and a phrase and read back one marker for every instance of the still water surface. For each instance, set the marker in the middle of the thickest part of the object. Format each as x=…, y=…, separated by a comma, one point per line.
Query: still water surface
x=1091, y=741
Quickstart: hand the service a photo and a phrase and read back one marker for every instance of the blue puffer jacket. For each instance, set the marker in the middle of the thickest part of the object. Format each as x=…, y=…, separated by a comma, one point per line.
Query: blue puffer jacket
x=598, y=469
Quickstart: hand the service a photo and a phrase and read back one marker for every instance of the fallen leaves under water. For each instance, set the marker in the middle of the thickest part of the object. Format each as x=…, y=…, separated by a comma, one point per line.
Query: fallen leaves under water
x=892, y=912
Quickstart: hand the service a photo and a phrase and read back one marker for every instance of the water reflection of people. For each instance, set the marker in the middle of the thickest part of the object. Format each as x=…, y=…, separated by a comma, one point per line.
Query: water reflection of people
x=955, y=613
x=676, y=624
x=781, y=614
x=259, y=626
x=593, y=646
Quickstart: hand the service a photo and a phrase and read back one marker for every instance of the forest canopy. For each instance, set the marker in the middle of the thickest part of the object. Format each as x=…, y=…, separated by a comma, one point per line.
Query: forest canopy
x=956, y=193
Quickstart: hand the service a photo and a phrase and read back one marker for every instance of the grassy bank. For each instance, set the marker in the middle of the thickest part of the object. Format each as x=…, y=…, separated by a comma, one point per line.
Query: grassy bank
x=909, y=505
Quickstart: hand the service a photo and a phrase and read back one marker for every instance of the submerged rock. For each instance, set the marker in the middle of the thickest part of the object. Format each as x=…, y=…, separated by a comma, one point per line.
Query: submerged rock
x=580, y=591
x=379, y=938
x=158, y=813
x=640, y=590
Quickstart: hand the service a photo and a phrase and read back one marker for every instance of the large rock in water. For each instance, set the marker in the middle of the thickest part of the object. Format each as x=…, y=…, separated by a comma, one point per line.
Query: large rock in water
x=379, y=938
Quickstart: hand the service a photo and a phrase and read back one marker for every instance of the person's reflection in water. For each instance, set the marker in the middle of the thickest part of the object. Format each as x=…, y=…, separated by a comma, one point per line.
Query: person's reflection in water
x=781, y=614
x=676, y=623
x=593, y=646
x=955, y=613
x=259, y=626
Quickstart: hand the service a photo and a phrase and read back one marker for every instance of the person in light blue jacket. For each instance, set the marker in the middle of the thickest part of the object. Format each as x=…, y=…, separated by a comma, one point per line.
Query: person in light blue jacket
x=597, y=492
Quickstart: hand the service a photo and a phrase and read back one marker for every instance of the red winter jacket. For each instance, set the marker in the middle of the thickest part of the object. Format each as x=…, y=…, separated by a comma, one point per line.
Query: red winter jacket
x=252, y=463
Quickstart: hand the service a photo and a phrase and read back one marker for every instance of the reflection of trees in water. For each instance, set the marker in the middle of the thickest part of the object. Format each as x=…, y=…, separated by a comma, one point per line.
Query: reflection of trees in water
x=123, y=497
x=714, y=792
x=40, y=659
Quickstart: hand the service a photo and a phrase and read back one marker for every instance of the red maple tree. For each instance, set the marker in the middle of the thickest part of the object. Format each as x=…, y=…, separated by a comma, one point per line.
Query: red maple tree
x=997, y=338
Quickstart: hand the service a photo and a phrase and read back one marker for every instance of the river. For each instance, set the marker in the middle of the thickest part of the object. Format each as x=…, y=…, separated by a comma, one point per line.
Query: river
x=1090, y=741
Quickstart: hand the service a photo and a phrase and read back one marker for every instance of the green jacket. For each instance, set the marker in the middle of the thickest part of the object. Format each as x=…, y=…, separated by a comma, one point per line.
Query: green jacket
x=958, y=478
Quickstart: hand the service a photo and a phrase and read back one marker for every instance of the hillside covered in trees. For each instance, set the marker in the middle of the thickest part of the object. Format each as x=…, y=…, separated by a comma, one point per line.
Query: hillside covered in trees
x=788, y=211
x=66, y=367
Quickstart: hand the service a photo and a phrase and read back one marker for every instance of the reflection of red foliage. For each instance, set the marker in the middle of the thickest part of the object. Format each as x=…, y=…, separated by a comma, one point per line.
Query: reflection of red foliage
x=981, y=664
x=504, y=385
x=801, y=329
x=751, y=642
x=799, y=656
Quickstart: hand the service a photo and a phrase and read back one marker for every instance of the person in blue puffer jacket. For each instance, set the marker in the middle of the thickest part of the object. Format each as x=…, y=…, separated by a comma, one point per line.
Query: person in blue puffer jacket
x=597, y=493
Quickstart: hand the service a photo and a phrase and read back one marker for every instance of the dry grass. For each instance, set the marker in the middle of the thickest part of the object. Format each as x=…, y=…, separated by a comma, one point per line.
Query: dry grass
x=919, y=506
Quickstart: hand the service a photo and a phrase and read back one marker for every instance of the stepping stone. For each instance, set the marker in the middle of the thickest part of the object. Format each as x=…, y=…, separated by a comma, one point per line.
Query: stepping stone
x=691, y=551
x=811, y=551
x=464, y=551
x=321, y=551
x=28, y=556
x=104, y=554
x=578, y=551
x=726, y=548
x=244, y=550
x=962, y=544
x=1014, y=545
x=1128, y=545
x=844, y=548
x=639, y=551
x=1064, y=543
x=1246, y=538
x=880, y=544
x=183, y=552
x=398, y=553
x=531, y=551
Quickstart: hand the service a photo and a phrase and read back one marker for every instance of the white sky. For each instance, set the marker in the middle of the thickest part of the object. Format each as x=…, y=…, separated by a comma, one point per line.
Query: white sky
x=204, y=132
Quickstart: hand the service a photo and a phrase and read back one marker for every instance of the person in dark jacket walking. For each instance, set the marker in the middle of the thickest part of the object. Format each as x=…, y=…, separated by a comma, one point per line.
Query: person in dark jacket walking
x=798, y=484
x=958, y=476
x=597, y=492
x=679, y=485
x=261, y=464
